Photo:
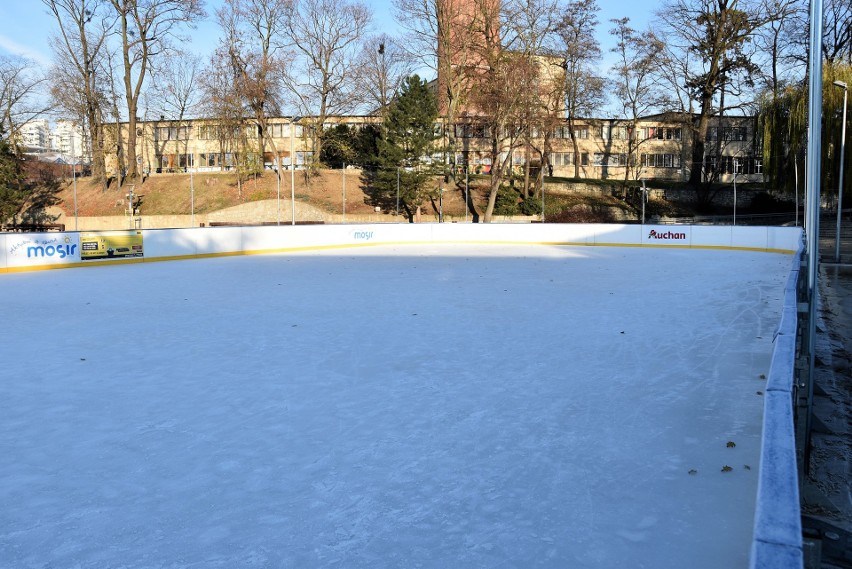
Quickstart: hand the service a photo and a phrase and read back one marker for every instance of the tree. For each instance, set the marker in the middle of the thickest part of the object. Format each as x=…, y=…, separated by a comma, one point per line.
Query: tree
x=20, y=90
x=583, y=86
x=837, y=32
x=529, y=31
x=254, y=44
x=145, y=29
x=382, y=66
x=324, y=35
x=27, y=189
x=408, y=137
x=78, y=73
x=717, y=32
x=781, y=66
x=635, y=82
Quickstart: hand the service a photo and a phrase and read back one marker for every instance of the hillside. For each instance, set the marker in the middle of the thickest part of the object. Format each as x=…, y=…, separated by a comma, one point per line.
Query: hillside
x=170, y=194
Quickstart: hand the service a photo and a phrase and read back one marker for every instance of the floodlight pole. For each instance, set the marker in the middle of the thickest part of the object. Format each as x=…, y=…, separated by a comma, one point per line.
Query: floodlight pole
x=845, y=88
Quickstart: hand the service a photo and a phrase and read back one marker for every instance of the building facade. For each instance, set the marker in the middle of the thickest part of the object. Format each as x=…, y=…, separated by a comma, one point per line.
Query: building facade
x=657, y=147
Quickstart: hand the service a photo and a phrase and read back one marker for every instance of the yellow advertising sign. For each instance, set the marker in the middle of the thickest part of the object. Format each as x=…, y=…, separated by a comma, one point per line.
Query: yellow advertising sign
x=110, y=245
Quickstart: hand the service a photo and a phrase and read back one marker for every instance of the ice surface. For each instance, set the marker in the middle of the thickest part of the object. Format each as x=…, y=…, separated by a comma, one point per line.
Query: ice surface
x=411, y=406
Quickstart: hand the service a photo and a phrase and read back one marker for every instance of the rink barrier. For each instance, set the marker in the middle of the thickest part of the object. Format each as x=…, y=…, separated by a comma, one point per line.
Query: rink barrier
x=777, y=538
x=41, y=251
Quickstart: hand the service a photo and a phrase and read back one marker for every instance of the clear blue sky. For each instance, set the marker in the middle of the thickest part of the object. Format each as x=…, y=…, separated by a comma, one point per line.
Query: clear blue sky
x=25, y=24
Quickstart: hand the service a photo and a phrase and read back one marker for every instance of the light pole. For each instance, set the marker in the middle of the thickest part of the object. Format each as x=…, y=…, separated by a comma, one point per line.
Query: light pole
x=293, y=121
x=191, y=190
x=278, y=184
x=397, y=192
x=74, y=182
x=344, y=192
x=843, y=86
x=466, y=191
x=644, y=199
x=735, y=191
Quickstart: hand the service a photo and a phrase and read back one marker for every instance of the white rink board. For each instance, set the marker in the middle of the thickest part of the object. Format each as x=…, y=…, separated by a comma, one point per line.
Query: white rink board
x=161, y=244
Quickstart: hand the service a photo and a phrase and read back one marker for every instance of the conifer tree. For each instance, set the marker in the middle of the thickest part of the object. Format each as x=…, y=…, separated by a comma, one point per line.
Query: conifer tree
x=405, y=148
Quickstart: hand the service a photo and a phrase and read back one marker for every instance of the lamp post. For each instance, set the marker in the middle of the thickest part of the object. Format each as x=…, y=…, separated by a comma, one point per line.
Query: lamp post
x=344, y=192
x=191, y=190
x=74, y=182
x=278, y=184
x=644, y=199
x=735, y=191
x=293, y=121
x=845, y=88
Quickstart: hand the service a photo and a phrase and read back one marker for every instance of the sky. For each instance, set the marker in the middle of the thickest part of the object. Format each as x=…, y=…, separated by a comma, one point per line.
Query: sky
x=25, y=25
x=590, y=407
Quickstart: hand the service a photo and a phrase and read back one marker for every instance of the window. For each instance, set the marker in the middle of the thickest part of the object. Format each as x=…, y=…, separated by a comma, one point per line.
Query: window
x=662, y=133
x=609, y=132
x=606, y=159
x=660, y=160
x=728, y=133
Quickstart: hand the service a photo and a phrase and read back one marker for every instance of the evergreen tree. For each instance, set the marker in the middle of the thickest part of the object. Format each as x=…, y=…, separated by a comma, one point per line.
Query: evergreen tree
x=403, y=152
x=27, y=189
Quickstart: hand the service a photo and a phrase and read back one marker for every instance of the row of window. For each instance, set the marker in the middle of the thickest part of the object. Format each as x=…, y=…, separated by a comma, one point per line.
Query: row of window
x=219, y=132
x=615, y=160
x=465, y=130
x=606, y=132
x=217, y=160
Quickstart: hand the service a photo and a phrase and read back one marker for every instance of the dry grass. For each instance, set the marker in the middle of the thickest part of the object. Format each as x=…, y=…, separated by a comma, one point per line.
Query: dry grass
x=169, y=194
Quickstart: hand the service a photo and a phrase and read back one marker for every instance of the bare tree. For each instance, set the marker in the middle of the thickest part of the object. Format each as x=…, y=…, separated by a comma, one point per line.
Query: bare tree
x=78, y=89
x=174, y=90
x=497, y=101
x=529, y=31
x=635, y=83
x=20, y=96
x=145, y=29
x=718, y=33
x=582, y=52
x=325, y=36
x=254, y=43
x=224, y=105
x=837, y=32
x=382, y=66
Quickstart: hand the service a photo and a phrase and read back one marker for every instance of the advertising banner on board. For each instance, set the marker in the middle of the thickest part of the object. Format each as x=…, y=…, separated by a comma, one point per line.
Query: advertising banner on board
x=667, y=235
x=111, y=245
x=37, y=249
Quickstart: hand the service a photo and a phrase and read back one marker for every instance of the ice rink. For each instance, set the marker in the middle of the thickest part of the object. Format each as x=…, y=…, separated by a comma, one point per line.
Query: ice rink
x=446, y=406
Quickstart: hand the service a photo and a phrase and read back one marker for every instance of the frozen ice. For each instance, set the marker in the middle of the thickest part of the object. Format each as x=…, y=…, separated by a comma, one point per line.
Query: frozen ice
x=395, y=406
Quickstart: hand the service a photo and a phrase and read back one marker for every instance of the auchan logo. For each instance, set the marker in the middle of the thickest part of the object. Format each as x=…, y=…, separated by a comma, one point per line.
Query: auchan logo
x=666, y=235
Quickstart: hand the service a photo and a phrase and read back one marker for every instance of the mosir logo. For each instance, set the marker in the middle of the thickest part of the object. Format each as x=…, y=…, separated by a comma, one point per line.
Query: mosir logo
x=60, y=251
x=666, y=235
x=362, y=235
